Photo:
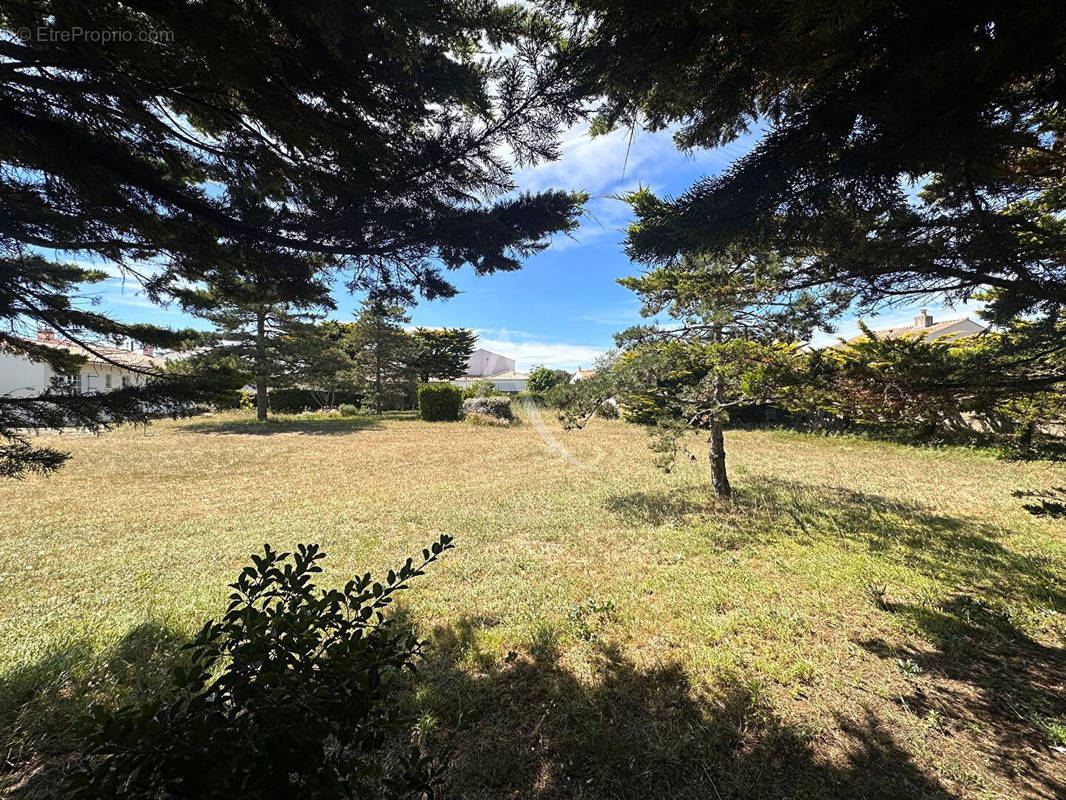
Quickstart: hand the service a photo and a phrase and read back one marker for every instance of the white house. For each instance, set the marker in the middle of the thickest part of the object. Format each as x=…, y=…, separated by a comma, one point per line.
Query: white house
x=582, y=374
x=21, y=377
x=485, y=365
x=925, y=327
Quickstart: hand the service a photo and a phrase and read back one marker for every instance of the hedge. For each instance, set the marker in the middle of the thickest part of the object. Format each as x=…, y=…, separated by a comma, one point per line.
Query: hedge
x=439, y=402
x=293, y=401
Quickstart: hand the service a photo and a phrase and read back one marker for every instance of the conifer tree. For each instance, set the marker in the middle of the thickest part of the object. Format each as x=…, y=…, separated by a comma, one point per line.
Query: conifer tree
x=383, y=353
x=443, y=353
x=382, y=134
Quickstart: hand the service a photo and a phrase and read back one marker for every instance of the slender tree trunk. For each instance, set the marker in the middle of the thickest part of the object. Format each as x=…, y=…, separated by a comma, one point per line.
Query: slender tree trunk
x=377, y=379
x=716, y=452
x=260, y=365
x=716, y=448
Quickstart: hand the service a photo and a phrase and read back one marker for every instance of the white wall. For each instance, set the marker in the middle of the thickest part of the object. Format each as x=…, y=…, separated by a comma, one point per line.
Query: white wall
x=21, y=377
x=484, y=362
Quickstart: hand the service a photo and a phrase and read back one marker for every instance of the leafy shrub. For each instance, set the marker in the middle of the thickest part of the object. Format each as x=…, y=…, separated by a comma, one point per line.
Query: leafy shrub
x=293, y=401
x=234, y=399
x=291, y=694
x=607, y=410
x=542, y=379
x=560, y=396
x=482, y=388
x=498, y=407
x=348, y=410
x=439, y=402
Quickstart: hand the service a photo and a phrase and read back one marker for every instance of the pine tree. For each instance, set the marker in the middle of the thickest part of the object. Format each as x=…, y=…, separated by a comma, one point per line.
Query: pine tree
x=732, y=342
x=905, y=149
x=380, y=135
x=383, y=353
x=443, y=353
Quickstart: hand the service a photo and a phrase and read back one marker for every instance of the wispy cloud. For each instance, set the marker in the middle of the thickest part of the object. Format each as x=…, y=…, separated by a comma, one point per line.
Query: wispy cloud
x=529, y=353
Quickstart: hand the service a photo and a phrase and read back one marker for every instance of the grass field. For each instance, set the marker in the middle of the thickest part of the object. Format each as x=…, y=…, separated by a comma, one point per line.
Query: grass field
x=863, y=620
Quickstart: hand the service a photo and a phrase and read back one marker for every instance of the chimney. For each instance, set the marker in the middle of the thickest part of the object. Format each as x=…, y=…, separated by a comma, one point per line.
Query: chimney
x=923, y=320
x=147, y=349
x=45, y=334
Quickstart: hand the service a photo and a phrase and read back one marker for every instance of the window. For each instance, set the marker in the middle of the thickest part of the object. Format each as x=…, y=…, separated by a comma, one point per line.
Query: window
x=107, y=381
x=92, y=383
x=67, y=384
x=125, y=381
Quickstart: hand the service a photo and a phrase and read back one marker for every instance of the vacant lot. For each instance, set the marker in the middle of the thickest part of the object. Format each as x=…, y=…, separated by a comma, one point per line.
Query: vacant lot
x=863, y=620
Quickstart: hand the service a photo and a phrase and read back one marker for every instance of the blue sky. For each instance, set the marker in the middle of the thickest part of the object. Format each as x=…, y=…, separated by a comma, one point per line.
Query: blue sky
x=562, y=308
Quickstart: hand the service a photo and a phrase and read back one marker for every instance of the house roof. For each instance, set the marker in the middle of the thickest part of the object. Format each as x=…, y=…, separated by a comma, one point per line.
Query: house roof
x=584, y=373
x=107, y=355
x=934, y=331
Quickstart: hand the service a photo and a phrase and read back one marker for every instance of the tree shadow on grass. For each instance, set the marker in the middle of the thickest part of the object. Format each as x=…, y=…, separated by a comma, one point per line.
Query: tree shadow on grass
x=530, y=727
x=320, y=426
x=985, y=671
x=45, y=707
x=983, y=668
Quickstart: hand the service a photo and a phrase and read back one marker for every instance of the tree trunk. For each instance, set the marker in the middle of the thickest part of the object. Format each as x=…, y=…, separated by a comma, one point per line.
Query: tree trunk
x=260, y=366
x=716, y=449
x=716, y=452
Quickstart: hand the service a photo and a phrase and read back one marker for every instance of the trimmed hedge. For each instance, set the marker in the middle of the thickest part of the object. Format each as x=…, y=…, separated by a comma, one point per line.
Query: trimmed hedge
x=439, y=402
x=293, y=401
x=498, y=407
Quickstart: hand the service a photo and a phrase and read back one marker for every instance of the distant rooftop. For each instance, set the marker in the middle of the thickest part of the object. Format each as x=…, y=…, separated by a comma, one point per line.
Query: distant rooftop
x=925, y=327
x=104, y=354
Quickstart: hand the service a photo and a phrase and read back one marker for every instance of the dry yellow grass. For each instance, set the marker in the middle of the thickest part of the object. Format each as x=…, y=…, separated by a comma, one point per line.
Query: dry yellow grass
x=863, y=620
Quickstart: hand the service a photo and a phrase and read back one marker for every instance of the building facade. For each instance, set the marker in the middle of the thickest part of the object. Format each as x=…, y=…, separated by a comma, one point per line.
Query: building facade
x=106, y=369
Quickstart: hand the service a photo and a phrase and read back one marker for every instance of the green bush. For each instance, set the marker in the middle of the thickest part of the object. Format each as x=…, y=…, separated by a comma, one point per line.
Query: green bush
x=607, y=410
x=293, y=401
x=295, y=692
x=560, y=395
x=348, y=410
x=439, y=402
x=482, y=388
x=498, y=407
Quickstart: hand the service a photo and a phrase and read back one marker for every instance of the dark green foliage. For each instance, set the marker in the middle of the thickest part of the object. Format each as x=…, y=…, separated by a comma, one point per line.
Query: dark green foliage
x=561, y=395
x=439, y=402
x=1000, y=387
x=295, y=400
x=482, y=388
x=292, y=693
x=861, y=101
x=498, y=407
x=376, y=138
x=382, y=355
x=906, y=150
x=542, y=379
x=442, y=353
x=607, y=410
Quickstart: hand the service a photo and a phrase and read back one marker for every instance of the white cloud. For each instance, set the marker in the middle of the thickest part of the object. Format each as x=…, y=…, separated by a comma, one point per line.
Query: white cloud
x=529, y=353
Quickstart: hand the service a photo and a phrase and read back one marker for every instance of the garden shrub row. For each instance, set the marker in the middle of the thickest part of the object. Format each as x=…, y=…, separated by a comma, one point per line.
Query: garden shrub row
x=439, y=402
